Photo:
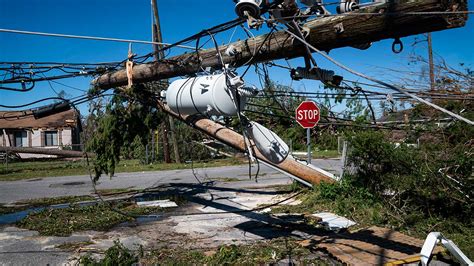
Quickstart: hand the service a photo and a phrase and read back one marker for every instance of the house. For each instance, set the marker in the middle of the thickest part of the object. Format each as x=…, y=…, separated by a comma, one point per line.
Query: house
x=57, y=131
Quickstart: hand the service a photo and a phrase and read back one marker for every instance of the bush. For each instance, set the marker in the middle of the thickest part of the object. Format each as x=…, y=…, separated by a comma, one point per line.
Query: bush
x=118, y=254
x=414, y=180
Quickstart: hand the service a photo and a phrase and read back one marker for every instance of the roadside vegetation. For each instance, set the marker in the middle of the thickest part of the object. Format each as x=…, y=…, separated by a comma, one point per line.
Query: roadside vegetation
x=416, y=190
x=99, y=217
x=44, y=202
x=263, y=252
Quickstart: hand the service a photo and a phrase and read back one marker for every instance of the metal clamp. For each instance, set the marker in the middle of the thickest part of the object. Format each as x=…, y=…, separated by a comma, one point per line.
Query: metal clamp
x=397, y=42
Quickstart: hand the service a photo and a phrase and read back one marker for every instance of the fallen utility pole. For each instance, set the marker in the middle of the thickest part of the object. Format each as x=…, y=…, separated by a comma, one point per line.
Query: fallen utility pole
x=60, y=153
x=397, y=19
x=235, y=140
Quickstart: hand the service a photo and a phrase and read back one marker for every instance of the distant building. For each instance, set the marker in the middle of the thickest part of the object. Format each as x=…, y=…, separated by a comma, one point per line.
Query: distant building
x=57, y=131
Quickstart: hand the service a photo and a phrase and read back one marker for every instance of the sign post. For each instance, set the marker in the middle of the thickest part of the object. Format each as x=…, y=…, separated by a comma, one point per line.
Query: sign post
x=308, y=115
x=308, y=142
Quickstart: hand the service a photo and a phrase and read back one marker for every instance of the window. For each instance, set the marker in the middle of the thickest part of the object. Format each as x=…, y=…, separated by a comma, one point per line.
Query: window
x=20, y=139
x=50, y=138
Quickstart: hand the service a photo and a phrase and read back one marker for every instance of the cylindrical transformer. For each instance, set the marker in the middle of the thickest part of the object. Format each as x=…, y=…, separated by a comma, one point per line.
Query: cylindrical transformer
x=208, y=95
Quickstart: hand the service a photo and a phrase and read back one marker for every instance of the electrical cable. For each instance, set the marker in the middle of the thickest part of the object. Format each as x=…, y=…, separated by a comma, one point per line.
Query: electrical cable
x=23, y=84
x=218, y=28
x=395, y=88
x=31, y=103
x=58, y=63
x=49, y=78
x=27, y=113
x=250, y=35
x=258, y=51
x=236, y=101
x=380, y=97
x=358, y=83
x=90, y=38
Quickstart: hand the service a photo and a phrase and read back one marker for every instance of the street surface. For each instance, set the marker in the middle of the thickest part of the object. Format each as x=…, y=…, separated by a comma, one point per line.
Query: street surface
x=224, y=197
x=13, y=191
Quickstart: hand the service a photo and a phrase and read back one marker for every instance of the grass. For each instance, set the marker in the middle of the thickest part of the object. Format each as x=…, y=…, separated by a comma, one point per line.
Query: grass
x=114, y=191
x=100, y=217
x=261, y=253
x=39, y=169
x=43, y=202
x=325, y=154
x=53, y=201
x=225, y=179
x=118, y=254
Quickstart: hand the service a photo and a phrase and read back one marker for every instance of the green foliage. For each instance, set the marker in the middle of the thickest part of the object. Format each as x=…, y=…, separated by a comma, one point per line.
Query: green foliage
x=136, y=150
x=416, y=190
x=118, y=254
x=63, y=222
x=262, y=253
x=40, y=203
x=280, y=108
x=189, y=150
x=123, y=128
x=226, y=255
x=174, y=256
x=415, y=180
x=259, y=253
x=326, y=139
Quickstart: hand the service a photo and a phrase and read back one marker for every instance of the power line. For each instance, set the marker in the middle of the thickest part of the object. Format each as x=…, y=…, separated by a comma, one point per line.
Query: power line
x=429, y=94
x=73, y=75
x=68, y=86
x=322, y=95
x=58, y=63
x=392, y=87
x=31, y=103
x=90, y=38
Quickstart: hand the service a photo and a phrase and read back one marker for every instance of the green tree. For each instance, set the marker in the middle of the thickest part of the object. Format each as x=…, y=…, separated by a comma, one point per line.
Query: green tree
x=126, y=119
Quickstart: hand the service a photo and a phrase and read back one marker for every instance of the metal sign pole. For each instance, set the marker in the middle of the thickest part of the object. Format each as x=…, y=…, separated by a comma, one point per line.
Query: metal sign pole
x=308, y=142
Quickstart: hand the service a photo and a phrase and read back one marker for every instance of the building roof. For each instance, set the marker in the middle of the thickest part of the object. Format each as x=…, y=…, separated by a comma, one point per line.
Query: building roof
x=67, y=118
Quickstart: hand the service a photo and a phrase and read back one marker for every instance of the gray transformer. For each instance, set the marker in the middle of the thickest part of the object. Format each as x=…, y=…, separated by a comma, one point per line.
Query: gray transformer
x=209, y=95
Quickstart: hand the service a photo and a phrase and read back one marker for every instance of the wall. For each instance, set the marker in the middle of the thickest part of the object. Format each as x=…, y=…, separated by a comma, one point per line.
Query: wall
x=67, y=137
x=35, y=139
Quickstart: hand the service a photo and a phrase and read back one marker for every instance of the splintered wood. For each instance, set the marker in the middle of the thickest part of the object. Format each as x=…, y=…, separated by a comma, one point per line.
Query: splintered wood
x=372, y=246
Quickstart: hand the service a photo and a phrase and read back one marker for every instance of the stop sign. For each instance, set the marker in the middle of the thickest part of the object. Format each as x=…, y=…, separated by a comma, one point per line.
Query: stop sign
x=307, y=114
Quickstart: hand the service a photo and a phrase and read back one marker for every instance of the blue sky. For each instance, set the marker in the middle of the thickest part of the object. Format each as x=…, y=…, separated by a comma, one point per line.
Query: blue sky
x=131, y=19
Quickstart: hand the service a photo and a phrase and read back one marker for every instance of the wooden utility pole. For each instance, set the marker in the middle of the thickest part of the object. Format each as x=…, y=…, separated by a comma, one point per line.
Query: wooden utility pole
x=430, y=54
x=158, y=37
x=396, y=20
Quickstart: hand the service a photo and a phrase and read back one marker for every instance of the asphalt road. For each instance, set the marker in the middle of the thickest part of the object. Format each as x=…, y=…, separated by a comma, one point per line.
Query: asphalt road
x=225, y=198
x=13, y=191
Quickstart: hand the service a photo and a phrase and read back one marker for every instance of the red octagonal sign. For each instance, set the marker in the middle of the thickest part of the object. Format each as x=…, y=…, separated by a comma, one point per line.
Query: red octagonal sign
x=307, y=114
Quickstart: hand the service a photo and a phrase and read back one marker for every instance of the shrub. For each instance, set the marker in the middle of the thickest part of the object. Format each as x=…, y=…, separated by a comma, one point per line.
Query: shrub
x=118, y=254
x=411, y=179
